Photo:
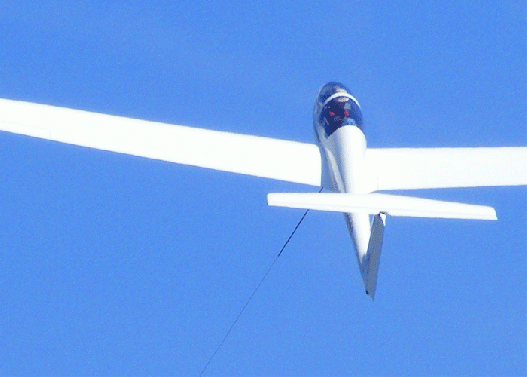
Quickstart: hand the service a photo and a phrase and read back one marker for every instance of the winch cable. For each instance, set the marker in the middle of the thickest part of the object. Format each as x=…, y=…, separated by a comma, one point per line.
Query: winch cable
x=255, y=290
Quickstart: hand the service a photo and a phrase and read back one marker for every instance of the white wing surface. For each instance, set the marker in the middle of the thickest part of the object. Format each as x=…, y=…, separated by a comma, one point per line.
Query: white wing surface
x=425, y=168
x=388, y=169
x=258, y=156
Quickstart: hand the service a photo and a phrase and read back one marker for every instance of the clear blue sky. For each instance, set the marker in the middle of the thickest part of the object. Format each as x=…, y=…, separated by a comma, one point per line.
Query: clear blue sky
x=115, y=265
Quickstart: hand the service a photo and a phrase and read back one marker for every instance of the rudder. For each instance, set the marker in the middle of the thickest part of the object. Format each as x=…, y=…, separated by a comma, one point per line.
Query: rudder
x=370, y=263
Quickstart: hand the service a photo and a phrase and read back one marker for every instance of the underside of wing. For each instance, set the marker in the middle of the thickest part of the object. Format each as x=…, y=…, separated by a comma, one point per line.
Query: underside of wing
x=252, y=155
x=424, y=168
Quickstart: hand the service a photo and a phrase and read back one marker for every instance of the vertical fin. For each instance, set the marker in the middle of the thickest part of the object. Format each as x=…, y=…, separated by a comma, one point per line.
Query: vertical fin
x=370, y=263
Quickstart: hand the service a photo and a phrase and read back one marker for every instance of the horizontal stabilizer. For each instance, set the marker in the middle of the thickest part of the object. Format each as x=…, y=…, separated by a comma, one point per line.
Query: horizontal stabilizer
x=376, y=203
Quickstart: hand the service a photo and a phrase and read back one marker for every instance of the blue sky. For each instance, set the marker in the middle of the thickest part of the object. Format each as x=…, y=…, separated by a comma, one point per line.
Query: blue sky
x=116, y=265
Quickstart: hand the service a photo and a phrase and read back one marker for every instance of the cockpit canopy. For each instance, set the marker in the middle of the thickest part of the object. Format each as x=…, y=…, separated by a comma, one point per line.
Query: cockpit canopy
x=329, y=89
x=333, y=110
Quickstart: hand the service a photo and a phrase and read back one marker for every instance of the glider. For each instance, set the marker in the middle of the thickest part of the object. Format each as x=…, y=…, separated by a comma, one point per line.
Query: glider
x=340, y=162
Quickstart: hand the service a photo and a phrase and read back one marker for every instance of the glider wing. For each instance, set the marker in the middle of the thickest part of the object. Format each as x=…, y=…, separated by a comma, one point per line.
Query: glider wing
x=388, y=168
x=252, y=155
x=426, y=168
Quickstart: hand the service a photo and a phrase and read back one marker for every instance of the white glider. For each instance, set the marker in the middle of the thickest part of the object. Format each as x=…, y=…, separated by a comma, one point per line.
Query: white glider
x=340, y=162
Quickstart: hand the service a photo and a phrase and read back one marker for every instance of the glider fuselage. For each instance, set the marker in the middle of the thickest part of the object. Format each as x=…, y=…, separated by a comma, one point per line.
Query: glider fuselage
x=337, y=119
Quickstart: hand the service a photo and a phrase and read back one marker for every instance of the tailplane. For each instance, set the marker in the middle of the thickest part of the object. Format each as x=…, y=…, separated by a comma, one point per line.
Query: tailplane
x=357, y=208
x=393, y=205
